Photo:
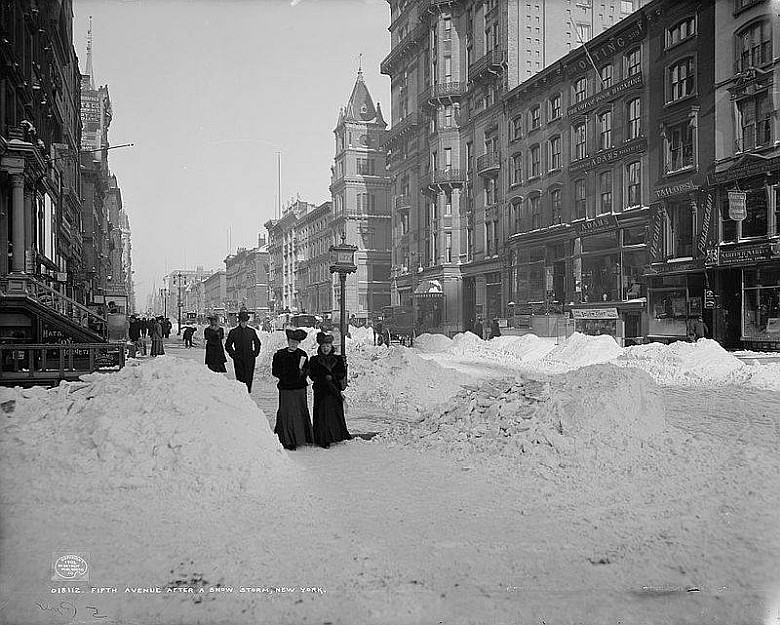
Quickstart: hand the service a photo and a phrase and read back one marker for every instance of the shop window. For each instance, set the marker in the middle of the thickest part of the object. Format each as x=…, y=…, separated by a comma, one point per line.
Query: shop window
x=634, y=119
x=753, y=46
x=680, y=80
x=761, y=298
x=605, y=130
x=635, y=235
x=634, y=62
x=754, y=122
x=600, y=277
x=681, y=31
x=605, y=188
x=679, y=147
x=600, y=242
x=580, y=199
x=755, y=223
x=680, y=232
x=632, y=268
x=669, y=312
x=634, y=184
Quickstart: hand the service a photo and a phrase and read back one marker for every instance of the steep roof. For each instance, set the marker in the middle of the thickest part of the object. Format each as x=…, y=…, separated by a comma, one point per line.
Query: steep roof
x=360, y=107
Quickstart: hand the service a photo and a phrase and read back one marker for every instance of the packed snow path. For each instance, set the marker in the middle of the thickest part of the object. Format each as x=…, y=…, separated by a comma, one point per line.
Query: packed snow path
x=375, y=533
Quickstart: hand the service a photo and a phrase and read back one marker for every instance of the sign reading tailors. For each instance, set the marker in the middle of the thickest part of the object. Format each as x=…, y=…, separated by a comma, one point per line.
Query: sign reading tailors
x=594, y=313
x=737, y=205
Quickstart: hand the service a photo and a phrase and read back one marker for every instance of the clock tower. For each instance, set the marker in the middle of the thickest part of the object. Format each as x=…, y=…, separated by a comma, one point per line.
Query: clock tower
x=360, y=190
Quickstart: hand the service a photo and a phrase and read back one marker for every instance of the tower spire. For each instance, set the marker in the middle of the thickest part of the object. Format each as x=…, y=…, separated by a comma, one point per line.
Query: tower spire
x=90, y=69
x=360, y=66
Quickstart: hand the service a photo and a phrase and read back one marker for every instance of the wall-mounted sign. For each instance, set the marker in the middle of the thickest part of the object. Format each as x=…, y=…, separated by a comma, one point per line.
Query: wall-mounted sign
x=747, y=253
x=594, y=313
x=701, y=242
x=709, y=298
x=607, y=156
x=606, y=95
x=671, y=190
x=605, y=223
x=737, y=205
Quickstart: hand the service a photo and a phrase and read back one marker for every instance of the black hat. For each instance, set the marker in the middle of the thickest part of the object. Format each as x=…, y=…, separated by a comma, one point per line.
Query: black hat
x=243, y=316
x=324, y=338
x=296, y=335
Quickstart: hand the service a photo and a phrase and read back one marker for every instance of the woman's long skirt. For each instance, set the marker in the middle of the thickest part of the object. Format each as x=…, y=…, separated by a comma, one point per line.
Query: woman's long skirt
x=219, y=367
x=293, y=423
x=157, y=347
x=329, y=423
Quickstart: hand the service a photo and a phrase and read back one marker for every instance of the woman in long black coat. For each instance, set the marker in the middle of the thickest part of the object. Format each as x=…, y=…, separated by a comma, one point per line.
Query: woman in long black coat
x=215, y=352
x=328, y=373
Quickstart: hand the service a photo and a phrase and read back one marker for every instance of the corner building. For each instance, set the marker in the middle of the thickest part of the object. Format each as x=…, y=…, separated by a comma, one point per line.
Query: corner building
x=451, y=64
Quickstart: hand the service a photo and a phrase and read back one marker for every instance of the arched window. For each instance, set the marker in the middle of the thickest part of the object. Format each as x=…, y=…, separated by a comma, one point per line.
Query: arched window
x=753, y=46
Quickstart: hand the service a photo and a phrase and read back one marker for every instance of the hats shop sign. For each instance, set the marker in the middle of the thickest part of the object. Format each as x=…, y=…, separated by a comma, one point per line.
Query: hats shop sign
x=737, y=205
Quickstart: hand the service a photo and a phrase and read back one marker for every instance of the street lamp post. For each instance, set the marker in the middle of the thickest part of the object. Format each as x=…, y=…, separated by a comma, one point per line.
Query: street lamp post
x=178, y=302
x=343, y=263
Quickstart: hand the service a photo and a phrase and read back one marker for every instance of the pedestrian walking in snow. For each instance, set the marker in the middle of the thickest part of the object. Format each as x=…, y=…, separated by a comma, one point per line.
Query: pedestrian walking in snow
x=243, y=346
x=494, y=329
x=329, y=377
x=291, y=366
x=697, y=329
x=478, y=328
x=215, y=353
x=157, y=337
x=187, y=334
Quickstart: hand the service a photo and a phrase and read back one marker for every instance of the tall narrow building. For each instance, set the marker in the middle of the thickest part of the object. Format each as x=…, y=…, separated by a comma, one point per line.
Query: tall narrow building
x=360, y=188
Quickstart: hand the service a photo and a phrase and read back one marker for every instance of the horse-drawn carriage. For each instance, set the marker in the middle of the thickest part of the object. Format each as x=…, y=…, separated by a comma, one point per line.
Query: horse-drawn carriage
x=397, y=325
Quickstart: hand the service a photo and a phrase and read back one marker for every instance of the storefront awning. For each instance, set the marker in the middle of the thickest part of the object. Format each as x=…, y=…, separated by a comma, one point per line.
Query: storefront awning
x=429, y=288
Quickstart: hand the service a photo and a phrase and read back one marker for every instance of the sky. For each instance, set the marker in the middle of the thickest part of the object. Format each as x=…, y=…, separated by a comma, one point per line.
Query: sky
x=208, y=91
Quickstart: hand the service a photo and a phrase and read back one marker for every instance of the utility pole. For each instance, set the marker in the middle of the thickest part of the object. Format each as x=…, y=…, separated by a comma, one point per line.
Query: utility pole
x=179, y=303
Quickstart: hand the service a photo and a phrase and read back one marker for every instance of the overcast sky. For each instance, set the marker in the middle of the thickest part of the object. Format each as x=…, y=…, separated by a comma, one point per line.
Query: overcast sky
x=208, y=90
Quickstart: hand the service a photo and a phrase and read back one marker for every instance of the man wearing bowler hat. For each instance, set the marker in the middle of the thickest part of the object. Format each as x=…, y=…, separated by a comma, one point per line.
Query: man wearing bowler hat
x=243, y=346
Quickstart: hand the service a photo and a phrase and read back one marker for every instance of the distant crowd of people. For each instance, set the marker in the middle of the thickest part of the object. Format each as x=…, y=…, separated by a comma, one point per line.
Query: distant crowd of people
x=485, y=331
x=155, y=328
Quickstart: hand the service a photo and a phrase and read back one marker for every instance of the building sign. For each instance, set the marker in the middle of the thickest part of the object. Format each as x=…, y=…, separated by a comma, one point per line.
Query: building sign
x=607, y=156
x=600, y=53
x=745, y=254
x=746, y=168
x=706, y=219
x=594, y=313
x=605, y=95
x=605, y=223
x=709, y=299
x=675, y=189
x=90, y=108
x=737, y=205
x=657, y=234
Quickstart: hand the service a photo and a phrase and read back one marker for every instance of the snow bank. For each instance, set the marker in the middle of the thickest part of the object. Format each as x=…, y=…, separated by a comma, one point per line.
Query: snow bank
x=580, y=350
x=431, y=343
x=528, y=347
x=167, y=422
x=600, y=411
x=398, y=382
x=704, y=362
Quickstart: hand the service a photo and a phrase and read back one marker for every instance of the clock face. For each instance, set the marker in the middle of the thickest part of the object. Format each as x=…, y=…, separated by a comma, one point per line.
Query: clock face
x=364, y=140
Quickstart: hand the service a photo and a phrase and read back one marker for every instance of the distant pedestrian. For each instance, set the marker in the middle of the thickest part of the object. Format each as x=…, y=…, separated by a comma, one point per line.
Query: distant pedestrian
x=495, y=330
x=291, y=366
x=697, y=329
x=168, y=327
x=243, y=346
x=187, y=334
x=215, y=352
x=144, y=327
x=328, y=373
x=157, y=337
x=478, y=328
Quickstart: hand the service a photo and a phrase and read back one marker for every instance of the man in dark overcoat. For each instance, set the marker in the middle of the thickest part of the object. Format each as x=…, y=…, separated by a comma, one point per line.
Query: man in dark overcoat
x=243, y=346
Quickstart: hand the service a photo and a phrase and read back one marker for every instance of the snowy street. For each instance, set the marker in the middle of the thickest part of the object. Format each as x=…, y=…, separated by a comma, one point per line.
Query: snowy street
x=666, y=515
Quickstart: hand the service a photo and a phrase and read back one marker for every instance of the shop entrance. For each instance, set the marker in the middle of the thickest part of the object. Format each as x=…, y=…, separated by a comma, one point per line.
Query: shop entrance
x=730, y=312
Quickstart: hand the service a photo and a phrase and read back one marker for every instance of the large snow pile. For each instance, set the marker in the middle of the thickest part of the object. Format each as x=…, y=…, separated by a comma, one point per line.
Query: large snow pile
x=398, y=382
x=704, y=362
x=592, y=415
x=528, y=347
x=431, y=343
x=580, y=350
x=142, y=426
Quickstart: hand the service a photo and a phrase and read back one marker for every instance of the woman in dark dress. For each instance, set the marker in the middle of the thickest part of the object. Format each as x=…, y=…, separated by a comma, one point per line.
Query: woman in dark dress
x=328, y=373
x=215, y=352
x=291, y=366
